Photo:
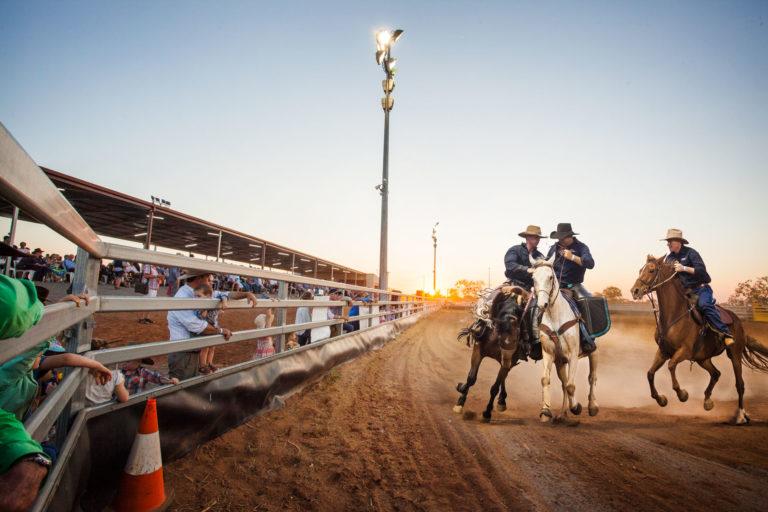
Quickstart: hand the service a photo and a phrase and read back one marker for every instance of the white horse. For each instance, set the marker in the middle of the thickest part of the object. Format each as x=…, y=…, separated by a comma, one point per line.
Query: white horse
x=559, y=342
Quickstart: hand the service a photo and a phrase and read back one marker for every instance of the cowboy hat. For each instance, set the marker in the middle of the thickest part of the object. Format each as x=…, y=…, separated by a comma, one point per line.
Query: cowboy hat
x=563, y=231
x=532, y=231
x=675, y=234
x=191, y=274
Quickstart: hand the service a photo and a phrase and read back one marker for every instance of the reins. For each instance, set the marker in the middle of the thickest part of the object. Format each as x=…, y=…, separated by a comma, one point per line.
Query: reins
x=657, y=311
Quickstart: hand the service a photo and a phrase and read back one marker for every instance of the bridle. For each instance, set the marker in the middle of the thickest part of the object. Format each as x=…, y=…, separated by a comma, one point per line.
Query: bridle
x=652, y=287
x=551, y=292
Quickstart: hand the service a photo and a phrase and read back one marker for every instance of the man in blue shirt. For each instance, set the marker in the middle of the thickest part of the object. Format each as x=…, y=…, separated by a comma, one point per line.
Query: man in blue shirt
x=571, y=263
x=572, y=260
x=693, y=275
x=517, y=260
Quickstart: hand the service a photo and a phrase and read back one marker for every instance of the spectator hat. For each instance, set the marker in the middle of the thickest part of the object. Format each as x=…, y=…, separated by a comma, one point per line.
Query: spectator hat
x=532, y=231
x=37, y=250
x=336, y=291
x=191, y=274
x=675, y=234
x=563, y=231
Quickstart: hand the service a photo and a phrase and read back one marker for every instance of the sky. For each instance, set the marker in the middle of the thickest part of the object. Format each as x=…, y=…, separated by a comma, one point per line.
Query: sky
x=623, y=118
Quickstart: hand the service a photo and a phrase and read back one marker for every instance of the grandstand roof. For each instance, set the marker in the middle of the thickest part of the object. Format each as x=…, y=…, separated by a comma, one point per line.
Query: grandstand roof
x=114, y=214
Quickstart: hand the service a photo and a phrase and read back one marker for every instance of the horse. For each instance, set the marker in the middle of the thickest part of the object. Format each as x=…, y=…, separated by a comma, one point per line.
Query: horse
x=498, y=341
x=681, y=337
x=559, y=328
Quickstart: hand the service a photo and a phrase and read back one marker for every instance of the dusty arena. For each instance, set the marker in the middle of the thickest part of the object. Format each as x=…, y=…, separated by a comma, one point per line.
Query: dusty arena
x=380, y=434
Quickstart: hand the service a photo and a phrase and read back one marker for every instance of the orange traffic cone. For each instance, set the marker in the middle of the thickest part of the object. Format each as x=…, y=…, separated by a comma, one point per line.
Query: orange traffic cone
x=141, y=488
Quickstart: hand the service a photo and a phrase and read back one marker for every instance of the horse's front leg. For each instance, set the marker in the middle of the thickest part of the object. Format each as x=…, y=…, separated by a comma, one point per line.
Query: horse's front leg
x=463, y=388
x=680, y=355
x=546, y=413
x=593, y=407
x=506, y=364
x=562, y=373
x=501, y=403
x=570, y=387
x=658, y=360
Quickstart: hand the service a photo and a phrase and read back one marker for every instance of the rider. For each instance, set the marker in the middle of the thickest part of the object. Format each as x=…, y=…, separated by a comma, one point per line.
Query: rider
x=572, y=261
x=693, y=275
x=517, y=262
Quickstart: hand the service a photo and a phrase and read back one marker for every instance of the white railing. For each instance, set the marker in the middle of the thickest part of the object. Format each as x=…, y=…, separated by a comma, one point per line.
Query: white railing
x=25, y=185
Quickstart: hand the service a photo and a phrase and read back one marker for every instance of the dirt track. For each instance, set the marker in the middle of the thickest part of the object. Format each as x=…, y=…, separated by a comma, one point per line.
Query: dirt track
x=380, y=434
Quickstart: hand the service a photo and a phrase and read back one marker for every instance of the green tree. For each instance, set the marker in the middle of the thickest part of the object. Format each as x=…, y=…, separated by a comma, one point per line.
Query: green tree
x=748, y=292
x=613, y=294
x=469, y=289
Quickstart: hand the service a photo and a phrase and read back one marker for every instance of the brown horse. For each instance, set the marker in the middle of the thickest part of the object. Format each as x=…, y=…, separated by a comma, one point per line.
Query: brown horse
x=682, y=335
x=499, y=341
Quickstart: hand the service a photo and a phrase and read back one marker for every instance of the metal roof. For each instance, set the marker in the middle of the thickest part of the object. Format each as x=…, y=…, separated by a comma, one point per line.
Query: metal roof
x=114, y=214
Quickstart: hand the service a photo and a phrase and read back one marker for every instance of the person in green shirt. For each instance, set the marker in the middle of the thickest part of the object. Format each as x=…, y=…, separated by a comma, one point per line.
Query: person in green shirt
x=23, y=465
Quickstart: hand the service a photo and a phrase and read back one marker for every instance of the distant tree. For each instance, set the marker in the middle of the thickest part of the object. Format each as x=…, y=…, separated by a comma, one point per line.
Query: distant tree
x=751, y=293
x=469, y=289
x=453, y=294
x=613, y=293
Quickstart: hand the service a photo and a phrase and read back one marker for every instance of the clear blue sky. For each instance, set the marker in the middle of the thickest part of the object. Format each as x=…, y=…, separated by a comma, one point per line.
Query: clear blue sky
x=624, y=118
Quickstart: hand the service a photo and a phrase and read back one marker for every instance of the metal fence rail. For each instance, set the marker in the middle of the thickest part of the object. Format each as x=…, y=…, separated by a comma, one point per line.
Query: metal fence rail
x=23, y=184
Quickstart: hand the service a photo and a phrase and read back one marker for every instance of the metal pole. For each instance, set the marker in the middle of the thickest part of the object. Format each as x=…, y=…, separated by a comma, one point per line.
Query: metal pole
x=383, y=285
x=148, y=240
x=12, y=234
x=434, y=268
x=218, y=249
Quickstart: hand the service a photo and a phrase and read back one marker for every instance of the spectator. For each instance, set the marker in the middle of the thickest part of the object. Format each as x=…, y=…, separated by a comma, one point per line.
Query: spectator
x=21, y=309
x=205, y=291
x=303, y=316
x=69, y=263
x=173, y=279
x=34, y=262
x=150, y=276
x=265, y=347
x=354, y=310
x=118, y=272
x=137, y=378
x=57, y=270
x=185, y=324
x=98, y=391
x=23, y=465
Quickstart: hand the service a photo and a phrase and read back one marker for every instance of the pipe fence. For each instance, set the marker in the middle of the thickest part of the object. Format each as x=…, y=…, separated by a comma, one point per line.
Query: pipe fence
x=26, y=186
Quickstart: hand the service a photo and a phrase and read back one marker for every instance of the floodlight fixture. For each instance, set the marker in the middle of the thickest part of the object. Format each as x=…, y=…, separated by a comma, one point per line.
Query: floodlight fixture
x=190, y=245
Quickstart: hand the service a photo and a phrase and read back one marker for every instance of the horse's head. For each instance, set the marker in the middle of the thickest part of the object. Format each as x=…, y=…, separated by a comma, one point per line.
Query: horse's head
x=650, y=275
x=507, y=311
x=545, y=284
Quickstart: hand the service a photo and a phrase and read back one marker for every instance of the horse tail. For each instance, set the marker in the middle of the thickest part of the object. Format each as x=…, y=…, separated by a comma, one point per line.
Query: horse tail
x=755, y=355
x=465, y=333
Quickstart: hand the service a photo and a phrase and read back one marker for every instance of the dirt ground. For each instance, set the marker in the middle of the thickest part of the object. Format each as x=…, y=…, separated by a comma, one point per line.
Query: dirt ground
x=380, y=434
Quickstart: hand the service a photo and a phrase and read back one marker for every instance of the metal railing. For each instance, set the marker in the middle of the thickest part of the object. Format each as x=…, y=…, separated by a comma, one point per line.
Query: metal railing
x=24, y=185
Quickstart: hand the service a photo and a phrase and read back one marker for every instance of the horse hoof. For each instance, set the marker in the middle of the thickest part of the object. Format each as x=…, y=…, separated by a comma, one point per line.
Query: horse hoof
x=458, y=409
x=593, y=410
x=682, y=395
x=662, y=400
x=501, y=407
x=741, y=418
x=708, y=404
x=545, y=416
x=576, y=410
x=460, y=387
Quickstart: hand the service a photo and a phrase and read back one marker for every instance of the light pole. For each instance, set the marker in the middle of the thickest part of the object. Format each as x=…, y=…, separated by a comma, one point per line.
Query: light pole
x=434, y=263
x=384, y=40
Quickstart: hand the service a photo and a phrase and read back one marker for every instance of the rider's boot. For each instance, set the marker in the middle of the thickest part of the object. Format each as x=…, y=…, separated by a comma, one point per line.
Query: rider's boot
x=588, y=345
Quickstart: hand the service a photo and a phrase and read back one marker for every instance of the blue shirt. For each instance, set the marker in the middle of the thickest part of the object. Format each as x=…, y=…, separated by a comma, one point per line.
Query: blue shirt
x=69, y=265
x=689, y=257
x=570, y=272
x=517, y=263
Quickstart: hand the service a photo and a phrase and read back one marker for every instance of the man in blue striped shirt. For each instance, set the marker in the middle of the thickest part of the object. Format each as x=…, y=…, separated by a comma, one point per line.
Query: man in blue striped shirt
x=185, y=324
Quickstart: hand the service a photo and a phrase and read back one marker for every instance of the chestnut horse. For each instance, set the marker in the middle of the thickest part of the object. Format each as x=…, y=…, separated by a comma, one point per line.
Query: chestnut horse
x=498, y=341
x=680, y=337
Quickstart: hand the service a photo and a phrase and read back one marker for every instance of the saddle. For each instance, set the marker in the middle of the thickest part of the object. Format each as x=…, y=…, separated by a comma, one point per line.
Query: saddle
x=698, y=316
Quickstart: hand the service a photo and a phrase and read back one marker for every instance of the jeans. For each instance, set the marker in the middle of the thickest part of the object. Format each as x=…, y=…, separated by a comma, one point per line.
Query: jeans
x=707, y=306
x=578, y=290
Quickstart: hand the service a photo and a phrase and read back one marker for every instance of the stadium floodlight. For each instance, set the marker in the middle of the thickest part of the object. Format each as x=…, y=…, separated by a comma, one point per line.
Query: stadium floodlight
x=384, y=40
